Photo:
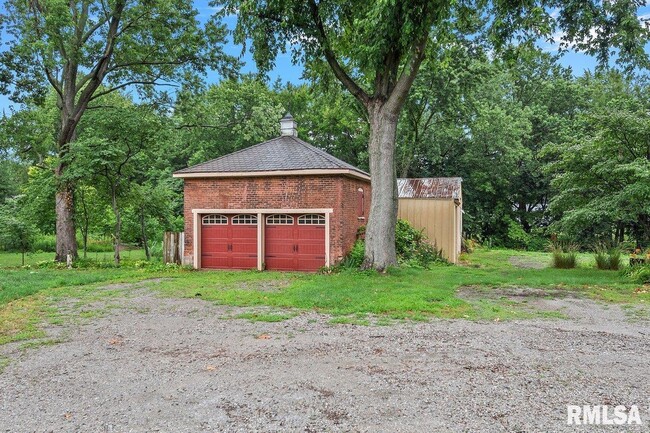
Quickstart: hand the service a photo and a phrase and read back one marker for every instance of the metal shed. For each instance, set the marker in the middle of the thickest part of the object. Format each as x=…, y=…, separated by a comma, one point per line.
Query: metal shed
x=435, y=205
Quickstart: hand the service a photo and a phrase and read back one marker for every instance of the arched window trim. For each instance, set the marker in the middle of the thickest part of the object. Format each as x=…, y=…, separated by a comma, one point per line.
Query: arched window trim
x=214, y=219
x=279, y=219
x=311, y=219
x=244, y=219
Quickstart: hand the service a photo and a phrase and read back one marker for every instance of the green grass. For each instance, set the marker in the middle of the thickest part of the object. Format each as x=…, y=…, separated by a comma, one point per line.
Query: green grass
x=28, y=297
x=407, y=293
x=13, y=260
x=18, y=283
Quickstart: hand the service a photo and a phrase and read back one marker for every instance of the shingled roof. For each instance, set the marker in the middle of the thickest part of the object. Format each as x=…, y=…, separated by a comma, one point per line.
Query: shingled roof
x=430, y=187
x=282, y=154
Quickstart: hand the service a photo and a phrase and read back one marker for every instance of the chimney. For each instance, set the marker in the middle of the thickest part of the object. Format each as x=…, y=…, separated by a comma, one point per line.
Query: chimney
x=288, y=126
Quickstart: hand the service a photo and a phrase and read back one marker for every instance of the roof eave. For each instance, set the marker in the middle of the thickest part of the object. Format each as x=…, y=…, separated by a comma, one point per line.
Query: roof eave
x=302, y=172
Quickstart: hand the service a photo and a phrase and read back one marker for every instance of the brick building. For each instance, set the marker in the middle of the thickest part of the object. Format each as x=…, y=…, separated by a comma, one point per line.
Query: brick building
x=281, y=204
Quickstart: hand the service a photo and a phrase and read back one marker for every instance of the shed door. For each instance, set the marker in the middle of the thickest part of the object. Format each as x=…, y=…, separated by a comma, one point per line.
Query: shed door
x=295, y=242
x=229, y=242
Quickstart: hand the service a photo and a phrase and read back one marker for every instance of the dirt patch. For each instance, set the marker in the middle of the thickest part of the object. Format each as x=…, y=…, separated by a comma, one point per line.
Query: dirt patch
x=264, y=286
x=527, y=262
x=160, y=364
x=515, y=293
x=137, y=285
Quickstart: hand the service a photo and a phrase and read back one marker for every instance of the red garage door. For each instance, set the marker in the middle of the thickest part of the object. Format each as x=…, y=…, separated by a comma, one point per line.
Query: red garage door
x=295, y=242
x=229, y=242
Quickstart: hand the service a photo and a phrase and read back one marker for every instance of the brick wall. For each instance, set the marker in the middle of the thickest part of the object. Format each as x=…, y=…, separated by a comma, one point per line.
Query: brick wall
x=298, y=192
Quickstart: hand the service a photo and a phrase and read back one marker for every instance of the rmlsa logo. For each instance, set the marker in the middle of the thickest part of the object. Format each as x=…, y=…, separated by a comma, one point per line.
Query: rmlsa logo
x=603, y=415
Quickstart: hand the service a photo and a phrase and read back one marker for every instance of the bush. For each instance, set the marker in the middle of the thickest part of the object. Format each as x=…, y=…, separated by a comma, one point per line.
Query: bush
x=537, y=242
x=468, y=245
x=607, y=258
x=97, y=246
x=638, y=273
x=45, y=243
x=564, y=256
x=412, y=247
x=355, y=257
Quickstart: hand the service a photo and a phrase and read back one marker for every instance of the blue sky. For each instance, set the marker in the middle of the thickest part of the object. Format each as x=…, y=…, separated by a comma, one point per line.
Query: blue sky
x=287, y=72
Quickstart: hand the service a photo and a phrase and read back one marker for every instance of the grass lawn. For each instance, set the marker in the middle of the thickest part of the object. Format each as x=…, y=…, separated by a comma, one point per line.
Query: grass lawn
x=11, y=260
x=29, y=296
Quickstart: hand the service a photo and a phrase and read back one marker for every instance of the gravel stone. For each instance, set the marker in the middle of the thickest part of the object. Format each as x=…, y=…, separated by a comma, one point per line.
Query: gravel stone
x=178, y=365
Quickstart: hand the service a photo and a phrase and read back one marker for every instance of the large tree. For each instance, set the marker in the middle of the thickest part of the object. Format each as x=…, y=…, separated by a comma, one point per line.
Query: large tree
x=84, y=49
x=375, y=49
x=602, y=171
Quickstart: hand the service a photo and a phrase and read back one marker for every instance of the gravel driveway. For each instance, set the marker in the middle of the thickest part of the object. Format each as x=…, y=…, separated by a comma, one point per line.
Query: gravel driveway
x=177, y=365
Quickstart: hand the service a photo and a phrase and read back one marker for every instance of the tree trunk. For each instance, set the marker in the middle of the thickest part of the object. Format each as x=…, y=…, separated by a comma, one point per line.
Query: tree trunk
x=118, y=226
x=66, y=233
x=66, y=241
x=85, y=222
x=143, y=228
x=380, y=231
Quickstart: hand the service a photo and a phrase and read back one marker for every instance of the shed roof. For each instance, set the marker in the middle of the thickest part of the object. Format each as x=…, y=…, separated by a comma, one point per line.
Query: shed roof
x=430, y=187
x=282, y=154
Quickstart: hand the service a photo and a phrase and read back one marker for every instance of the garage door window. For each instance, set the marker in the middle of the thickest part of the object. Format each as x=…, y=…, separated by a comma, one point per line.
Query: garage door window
x=244, y=219
x=279, y=220
x=215, y=220
x=311, y=220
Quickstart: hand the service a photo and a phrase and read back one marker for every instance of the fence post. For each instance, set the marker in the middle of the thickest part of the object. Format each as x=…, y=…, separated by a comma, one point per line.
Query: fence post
x=173, y=247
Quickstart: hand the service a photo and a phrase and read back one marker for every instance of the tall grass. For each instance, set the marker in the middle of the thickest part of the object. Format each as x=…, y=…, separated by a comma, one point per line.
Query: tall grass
x=607, y=258
x=563, y=256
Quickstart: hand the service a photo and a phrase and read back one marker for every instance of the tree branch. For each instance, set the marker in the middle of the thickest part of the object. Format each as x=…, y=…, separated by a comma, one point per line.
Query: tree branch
x=400, y=92
x=130, y=83
x=338, y=70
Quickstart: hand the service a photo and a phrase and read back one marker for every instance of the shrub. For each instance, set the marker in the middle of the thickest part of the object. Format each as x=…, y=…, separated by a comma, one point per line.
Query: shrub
x=638, y=273
x=607, y=258
x=468, y=245
x=411, y=245
x=564, y=256
x=537, y=242
x=98, y=246
x=45, y=243
x=355, y=257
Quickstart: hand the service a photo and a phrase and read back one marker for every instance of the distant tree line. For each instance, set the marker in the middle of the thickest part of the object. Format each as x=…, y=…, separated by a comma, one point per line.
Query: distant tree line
x=412, y=89
x=541, y=152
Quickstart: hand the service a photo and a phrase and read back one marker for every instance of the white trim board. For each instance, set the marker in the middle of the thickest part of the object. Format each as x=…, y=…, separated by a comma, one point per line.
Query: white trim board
x=264, y=211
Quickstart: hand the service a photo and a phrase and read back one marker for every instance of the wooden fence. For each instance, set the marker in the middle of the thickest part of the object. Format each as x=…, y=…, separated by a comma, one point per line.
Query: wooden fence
x=173, y=247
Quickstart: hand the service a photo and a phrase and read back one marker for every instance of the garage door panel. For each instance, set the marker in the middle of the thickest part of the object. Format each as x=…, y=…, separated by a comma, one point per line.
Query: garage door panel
x=279, y=240
x=304, y=249
x=214, y=261
x=244, y=232
x=311, y=264
x=228, y=246
x=243, y=262
x=311, y=233
x=280, y=263
x=295, y=246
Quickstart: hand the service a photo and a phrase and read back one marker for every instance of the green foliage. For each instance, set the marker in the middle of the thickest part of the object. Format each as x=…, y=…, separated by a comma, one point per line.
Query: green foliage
x=16, y=232
x=602, y=172
x=413, y=249
x=354, y=258
x=607, y=258
x=564, y=255
x=638, y=273
x=45, y=243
